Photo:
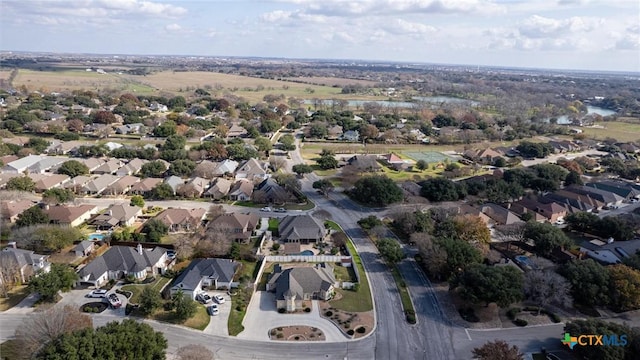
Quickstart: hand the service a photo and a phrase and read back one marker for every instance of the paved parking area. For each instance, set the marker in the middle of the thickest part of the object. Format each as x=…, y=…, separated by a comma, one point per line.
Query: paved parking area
x=262, y=316
x=218, y=324
x=77, y=298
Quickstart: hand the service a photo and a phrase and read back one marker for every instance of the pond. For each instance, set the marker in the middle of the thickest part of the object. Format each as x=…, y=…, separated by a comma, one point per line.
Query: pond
x=565, y=120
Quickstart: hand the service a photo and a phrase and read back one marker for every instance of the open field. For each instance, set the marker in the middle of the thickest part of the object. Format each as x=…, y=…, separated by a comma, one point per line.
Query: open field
x=621, y=131
x=48, y=81
x=428, y=156
x=4, y=74
x=331, y=81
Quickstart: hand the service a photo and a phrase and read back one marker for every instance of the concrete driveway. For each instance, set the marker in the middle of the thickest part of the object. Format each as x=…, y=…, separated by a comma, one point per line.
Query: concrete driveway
x=25, y=306
x=262, y=316
x=77, y=298
x=218, y=323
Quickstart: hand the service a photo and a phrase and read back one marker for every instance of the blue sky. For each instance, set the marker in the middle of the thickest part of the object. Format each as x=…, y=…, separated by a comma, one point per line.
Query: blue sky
x=562, y=34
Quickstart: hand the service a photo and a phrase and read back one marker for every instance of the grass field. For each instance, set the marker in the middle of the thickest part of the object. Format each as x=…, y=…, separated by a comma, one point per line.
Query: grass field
x=137, y=289
x=332, y=81
x=428, y=156
x=621, y=131
x=77, y=80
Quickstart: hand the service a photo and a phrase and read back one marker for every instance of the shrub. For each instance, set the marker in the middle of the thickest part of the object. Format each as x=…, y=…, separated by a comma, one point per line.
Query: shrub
x=280, y=336
x=555, y=318
x=279, y=329
x=328, y=313
x=361, y=330
x=531, y=309
x=347, y=325
x=520, y=322
x=275, y=246
x=350, y=332
x=307, y=310
x=273, y=332
x=282, y=310
x=355, y=287
x=411, y=319
x=469, y=315
x=511, y=314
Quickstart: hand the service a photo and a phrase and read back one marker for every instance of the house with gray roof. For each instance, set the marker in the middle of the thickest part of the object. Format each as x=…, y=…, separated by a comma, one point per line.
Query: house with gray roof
x=219, y=190
x=21, y=165
x=611, y=252
x=77, y=183
x=109, y=167
x=270, y=192
x=500, y=215
x=241, y=190
x=626, y=190
x=193, y=188
x=210, y=273
x=84, y=248
x=607, y=197
x=26, y=263
x=294, y=285
x=226, y=166
x=365, y=163
x=132, y=167
x=121, y=261
x=45, y=164
x=174, y=182
x=116, y=215
x=302, y=229
x=98, y=185
x=122, y=185
x=253, y=170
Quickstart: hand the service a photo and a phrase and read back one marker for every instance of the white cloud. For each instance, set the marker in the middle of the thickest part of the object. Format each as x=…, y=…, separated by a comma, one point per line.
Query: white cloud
x=173, y=27
x=403, y=27
x=540, y=27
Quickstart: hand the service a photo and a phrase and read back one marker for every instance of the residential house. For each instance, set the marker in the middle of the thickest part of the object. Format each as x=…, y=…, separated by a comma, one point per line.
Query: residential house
x=77, y=183
x=301, y=228
x=9, y=210
x=45, y=164
x=70, y=215
x=132, y=167
x=158, y=107
x=121, y=186
x=466, y=209
x=611, y=252
x=294, y=285
x=396, y=162
x=219, y=190
x=484, y=156
x=226, y=167
x=110, y=167
x=578, y=201
x=4, y=178
x=335, y=132
x=206, y=169
x=351, y=135
x=236, y=131
x=25, y=262
x=136, y=128
x=144, y=186
x=50, y=181
x=528, y=206
x=365, y=163
x=66, y=147
x=626, y=190
x=92, y=163
x=179, y=220
x=116, y=215
x=8, y=158
x=500, y=215
x=238, y=226
x=174, y=182
x=209, y=273
x=241, y=190
x=84, y=248
x=121, y=261
x=113, y=145
x=21, y=165
x=270, y=192
x=254, y=170
x=98, y=185
x=193, y=188
x=607, y=197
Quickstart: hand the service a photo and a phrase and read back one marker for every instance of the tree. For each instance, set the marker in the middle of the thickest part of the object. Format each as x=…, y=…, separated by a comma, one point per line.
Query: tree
x=327, y=160
x=150, y=300
x=241, y=152
x=318, y=131
x=262, y=143
x=194, y=352
x=481, y=283
x=137, y=200
x=73, y=168
x=457, y=256
x=161, y=191
x=589, y=282
x=32, y=216
x=376, y=190
x=38, y=145
x=600, y=327
x=10, y=274
x=624, y=287
x=544, y=287
x=184, y=307
x=545, y=236
x=59, y=278
x=288, y=142
x=369, y=222
x=368, y=131
x=497, y=350
x=55, y=237
x=21, y=183
x=422, y=165
x=153, y=169
x=441, y=189
x=155, y=230
x=104, y=117
x=182, y=167
x=390, y=250
x=471, y=229
x=42, y=327
x=128, y=339
x=301, y=169
x=57, y=196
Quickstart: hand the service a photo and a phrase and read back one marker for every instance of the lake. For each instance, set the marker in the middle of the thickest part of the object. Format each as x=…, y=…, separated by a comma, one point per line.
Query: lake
x=564, y=119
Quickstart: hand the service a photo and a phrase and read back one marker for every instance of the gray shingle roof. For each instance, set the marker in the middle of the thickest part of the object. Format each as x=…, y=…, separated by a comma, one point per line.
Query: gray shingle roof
x=221, y=270
x=301, y=280
x=301, y=227
x=121, y=258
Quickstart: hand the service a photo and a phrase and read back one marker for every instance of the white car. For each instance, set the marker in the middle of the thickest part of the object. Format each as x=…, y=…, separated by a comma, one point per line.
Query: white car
x=219, y=299
x=266, y=208
x=213, y=310
x=99, y=293
x=114, y=301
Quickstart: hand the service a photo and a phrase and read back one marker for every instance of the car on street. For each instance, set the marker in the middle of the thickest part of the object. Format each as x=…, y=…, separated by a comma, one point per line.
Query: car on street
x=98, y=293
x=203, y=298
x=266, y=208
x=218, y=298
x=114, y=301
x=212, y=310
x=280, y=210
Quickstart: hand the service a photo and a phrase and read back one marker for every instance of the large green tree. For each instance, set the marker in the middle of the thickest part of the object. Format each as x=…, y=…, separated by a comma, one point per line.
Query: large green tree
x=57, y=196
x=481, y=283
x=154, y=230
x=73, y=168
x=21, y=183
x=183, y=306
x=325, y=186
x=182, y=167
x=60, y=278
x=327, y=160
x=376, y=190
x=624, y=287
x=32, y=216
x=128, y=339
x=545, y=236
x=589, y=282
x=301, y=169
x=161, y=191
x=441, y=189
x=390, y=250
x=153, y=169
x=150, y=300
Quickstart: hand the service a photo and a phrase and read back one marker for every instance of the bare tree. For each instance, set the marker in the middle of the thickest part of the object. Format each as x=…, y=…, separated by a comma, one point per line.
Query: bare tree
x=545, y=287
x=194, y=352
x=213, y=241
x=277, y=162
x=9, y=273
x=205, y=169
x=47, y=325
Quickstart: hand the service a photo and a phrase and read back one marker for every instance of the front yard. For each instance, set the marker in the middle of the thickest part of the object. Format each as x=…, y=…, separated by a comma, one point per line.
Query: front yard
x=241, y=296
x=16, y=295
x=358, y=299
x=136, y=289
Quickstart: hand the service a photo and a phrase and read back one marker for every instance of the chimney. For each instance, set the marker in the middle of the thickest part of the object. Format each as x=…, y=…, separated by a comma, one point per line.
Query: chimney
x=139, y=248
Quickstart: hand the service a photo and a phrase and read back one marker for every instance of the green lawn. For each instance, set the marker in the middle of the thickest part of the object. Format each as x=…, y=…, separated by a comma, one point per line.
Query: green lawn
x=621, y=131
x=9, y=350
x=344, y=273
x=136, y=289
x=356, y=301
x=332, y=225
x=16, y=295
x=273, y=224
x=240, y=297
x=405, y=297
x=198, y=321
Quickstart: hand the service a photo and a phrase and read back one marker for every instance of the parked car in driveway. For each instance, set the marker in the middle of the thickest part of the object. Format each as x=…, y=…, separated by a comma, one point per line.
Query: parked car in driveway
x=219, y=299
x=114, y=301
x=212, y=310
x=204, y=298
x=99, y=293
